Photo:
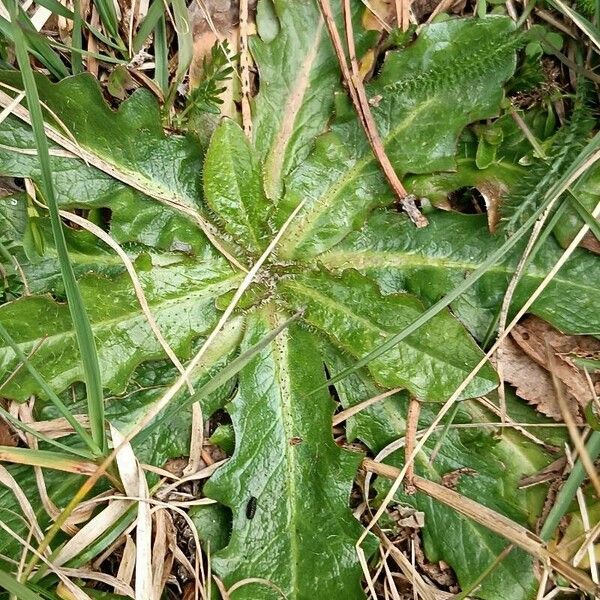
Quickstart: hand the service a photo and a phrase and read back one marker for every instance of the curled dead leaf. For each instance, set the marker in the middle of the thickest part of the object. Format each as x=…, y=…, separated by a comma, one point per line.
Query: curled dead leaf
x=526, y=364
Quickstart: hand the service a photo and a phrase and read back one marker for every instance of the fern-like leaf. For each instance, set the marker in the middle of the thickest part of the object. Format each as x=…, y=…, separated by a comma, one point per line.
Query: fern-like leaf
x=567, y=143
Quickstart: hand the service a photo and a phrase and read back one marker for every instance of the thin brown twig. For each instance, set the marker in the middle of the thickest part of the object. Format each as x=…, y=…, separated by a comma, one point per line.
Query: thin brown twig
x=245, y=69
x=406, y=200
x=360, y=101
x=412, y=422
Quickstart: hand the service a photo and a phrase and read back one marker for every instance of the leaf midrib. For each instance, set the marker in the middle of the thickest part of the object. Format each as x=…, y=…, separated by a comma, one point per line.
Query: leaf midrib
x=364, y=260
x=137, y=314
x=282, y=359
x=305, y=224
x=326, y=300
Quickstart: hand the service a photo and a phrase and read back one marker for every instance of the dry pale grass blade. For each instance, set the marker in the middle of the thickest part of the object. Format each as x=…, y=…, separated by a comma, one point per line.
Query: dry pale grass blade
x=135, y=485
x=40, y=17
x=590, y=539
x=520, y=427
x=59, y=427
x=507, y=300
x=143, y=541
x=389, y=580
x=162, y=559
x=137, y=284
x=585, y=520
x=26, y=415
x=156, y=505
x=126, y=566
x=356, y=408
x=543, y=582
x=421, y=587
x=78, y=594
x=454, y=397
x=9, y=481
x=196, y=441
x=494, y=521
x=256, y=580
x=54, y=116
x=198, y=475
x=126, y=462
x=126, y=177
x=11, y=106
x=91, y=531
x=105, y=578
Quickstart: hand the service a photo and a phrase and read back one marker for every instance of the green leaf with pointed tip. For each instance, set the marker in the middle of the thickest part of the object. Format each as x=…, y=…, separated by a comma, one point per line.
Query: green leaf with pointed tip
x=110, y=135
x=143, y=168
x=233, y=186
x=430, y=262
x=498, y=460
x=298, y=74
x=431, y=363
x=427, y=93
x=300, y=480
x=181, y=298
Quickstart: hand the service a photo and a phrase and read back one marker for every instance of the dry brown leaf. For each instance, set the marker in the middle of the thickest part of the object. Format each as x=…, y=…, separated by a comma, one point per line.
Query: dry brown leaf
x=590, y=242
x=532, y=382
x=526, y=366
x=7, y=435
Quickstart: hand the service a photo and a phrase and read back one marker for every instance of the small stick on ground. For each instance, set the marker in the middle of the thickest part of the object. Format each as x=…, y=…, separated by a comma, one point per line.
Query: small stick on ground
x=245, y=69
x=412, y=422
x=360, y=101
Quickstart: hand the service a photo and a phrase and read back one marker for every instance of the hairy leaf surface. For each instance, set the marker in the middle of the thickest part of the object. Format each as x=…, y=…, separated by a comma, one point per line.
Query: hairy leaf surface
x=426, y=94
x=431, y=363
x=432, y=261
x=286, y=460
x=298, y=76
x=233, y=186
x=181, y=298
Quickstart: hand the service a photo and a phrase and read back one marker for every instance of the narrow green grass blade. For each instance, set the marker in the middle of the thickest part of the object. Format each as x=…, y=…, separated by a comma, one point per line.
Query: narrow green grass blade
x=38, y=45
x=155, y=12
x=586, y=26
x=62, y=408
x=569, y=489
x=46, y=459
x=76, y=39
x=96, y=55
x=83, y=330
x=41, y=436
x=108, y=16
x=587, y=216
x=161, y=55
x=56, y=7
x=10, y=584
x=587, y=363
x=556, y=190
x=185, y=42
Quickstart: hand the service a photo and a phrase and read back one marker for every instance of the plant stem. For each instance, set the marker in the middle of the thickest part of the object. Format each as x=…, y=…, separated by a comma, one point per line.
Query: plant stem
x=81, y=323
x=569, y=489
